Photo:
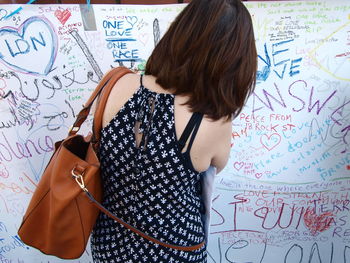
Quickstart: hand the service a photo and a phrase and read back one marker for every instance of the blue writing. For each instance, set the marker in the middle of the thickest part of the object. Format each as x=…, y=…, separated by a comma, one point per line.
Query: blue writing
x=280, y=62
x=277, y=52
x=293, y=66
x=113, y=24
x=264, y=74
x=43, y=43
x=21, y=49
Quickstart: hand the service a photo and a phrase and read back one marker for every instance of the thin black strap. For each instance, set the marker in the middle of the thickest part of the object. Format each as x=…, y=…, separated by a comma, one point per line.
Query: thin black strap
x=141, y=84
x=187, y=131
x=195, y=130
x=195, y=118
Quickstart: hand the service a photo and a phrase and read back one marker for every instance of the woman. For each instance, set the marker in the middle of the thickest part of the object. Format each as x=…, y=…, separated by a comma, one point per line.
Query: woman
x=163, y=129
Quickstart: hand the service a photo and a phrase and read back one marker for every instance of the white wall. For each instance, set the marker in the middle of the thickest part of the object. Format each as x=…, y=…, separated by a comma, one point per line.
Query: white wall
x=290, y=146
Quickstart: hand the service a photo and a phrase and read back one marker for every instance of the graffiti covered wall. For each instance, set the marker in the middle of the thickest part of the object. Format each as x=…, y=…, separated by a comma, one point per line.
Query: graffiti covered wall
x=284, y=195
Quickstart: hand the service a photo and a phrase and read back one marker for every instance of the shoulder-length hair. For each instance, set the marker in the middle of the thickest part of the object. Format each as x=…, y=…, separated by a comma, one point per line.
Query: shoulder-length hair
x=209, y=54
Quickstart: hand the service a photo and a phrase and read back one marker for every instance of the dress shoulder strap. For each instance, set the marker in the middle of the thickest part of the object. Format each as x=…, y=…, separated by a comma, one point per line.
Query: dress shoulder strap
x=141, y=77
x=191, y=127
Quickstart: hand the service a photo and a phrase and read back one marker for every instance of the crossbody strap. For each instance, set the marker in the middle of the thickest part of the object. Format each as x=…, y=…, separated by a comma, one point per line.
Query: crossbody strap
x=142, y=234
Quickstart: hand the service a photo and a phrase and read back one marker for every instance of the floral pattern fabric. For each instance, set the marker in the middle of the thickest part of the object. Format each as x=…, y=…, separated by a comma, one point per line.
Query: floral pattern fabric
x=150, y=186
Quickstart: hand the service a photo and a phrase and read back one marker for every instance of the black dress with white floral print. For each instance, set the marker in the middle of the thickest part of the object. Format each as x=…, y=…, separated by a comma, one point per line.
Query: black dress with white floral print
x=151, y=186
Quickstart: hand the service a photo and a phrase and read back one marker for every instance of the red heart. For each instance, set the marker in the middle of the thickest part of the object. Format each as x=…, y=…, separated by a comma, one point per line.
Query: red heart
x=258, y=175
x=62, y=16
x=317, y=223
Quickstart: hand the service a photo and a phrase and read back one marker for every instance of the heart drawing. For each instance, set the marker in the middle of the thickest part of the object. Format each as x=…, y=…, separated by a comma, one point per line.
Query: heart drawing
x=317, y=223
x=258, y=175
x=143, y=38
x=270, y=142
x=62, y=15
x=21, y=47
x=132, y=20
x=238, y=165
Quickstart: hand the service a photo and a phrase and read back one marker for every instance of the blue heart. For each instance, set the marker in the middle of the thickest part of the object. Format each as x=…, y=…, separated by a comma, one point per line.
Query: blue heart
x=31, y=48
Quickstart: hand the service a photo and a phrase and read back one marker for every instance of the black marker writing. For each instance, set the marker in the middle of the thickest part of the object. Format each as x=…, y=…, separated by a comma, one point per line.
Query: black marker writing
x=55, y=121
x=156, y=31
x=87, y=53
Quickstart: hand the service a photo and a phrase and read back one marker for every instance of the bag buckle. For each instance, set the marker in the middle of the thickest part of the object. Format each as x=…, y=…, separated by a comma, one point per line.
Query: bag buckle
x=79, y=179
x=73, y=129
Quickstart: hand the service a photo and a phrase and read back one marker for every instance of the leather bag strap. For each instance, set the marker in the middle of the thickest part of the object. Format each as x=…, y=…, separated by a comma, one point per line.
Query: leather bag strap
x=142, y=234
x=105, y=86
x=97, y=124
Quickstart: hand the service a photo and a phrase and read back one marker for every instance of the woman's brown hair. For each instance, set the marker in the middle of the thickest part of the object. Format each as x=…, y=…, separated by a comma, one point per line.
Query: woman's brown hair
x=209, y=54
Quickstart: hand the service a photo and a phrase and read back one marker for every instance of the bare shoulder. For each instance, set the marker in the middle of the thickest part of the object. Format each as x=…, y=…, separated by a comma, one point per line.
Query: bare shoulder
x=127, y=84
x=211, y=145
x=217, y=135
x=218, y=125
x=123, y=89
x=219, y=130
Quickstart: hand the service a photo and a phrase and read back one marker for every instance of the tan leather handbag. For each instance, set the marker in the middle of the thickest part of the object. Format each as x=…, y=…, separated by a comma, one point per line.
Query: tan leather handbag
x=66, y=203
x=59, y=218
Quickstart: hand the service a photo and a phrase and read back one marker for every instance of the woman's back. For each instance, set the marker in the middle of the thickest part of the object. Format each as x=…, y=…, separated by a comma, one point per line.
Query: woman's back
x=196, y=80
x=148, y=177
x=212, y=142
